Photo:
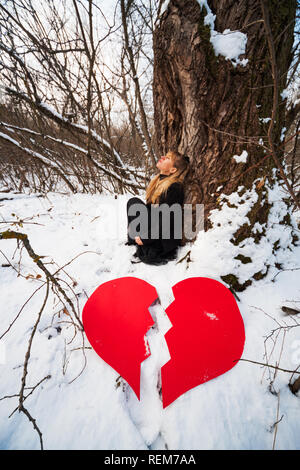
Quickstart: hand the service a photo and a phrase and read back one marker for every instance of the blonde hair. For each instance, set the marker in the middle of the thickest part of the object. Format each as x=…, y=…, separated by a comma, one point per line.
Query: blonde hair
x=157, y=186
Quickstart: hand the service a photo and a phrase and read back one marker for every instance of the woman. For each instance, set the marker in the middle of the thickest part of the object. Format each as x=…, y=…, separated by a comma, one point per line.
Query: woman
x=165, y=188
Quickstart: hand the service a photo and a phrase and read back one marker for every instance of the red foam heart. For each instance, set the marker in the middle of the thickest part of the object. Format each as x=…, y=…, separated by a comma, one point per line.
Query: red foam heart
x=116, y=319
x=206, y=338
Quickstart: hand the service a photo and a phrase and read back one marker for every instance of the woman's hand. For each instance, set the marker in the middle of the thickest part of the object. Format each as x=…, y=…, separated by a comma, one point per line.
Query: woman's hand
x=138, y=241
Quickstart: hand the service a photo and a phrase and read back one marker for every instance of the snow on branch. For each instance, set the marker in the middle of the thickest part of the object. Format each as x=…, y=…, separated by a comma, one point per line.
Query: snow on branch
x=59, y=119
x=56, y=166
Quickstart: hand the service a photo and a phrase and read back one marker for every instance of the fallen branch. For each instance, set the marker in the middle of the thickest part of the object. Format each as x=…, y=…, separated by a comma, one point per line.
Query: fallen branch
x=268, y=365
x=37, y=259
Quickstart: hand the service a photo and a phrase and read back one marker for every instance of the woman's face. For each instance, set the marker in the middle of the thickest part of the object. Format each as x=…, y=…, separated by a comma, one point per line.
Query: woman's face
x=165, y=165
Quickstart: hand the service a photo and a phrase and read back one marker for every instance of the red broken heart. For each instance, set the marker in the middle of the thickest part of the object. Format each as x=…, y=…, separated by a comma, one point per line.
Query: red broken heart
x=206, y=339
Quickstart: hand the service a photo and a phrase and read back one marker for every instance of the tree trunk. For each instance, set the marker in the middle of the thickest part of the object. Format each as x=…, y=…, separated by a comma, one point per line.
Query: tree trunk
x=212, y=110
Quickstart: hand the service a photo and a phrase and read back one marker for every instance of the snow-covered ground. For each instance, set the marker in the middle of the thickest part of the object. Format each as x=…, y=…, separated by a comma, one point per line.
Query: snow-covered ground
x=98, y=411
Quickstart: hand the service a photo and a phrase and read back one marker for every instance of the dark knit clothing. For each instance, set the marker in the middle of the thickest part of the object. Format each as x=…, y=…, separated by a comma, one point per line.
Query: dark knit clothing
x=159, y=251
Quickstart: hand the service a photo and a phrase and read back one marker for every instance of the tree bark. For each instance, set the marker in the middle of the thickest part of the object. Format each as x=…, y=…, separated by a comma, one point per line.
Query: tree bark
x=212, y=110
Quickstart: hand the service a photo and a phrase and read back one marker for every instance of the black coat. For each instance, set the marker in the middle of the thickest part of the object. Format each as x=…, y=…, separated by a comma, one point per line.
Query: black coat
x=159, y=251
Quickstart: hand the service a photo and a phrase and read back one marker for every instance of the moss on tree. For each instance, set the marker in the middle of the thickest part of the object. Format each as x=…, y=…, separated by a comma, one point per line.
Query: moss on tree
x=204, y=32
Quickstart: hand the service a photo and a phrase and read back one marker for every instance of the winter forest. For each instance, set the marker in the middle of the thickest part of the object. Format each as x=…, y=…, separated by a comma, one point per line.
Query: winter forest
x=93, y=95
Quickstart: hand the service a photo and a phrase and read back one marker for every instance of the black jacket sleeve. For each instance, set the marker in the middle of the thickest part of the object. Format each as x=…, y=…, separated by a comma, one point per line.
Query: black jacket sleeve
x=173, y=195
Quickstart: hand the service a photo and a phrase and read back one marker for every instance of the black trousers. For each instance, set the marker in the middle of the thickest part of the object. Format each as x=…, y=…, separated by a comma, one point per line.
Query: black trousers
x=133, y=201
x=152, y=254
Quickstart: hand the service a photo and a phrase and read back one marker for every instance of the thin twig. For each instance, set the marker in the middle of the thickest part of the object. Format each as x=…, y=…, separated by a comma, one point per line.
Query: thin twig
x=25, y=371
x=268, y=365
x=277, y=421
x=20, y=311
x=26, y=388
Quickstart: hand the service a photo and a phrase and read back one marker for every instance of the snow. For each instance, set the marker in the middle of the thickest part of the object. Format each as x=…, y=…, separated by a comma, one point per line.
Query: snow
x=282, y=136
x=10, y=139
x=230, y=44
x=292, y=93
x=30, y=152
x=83, y=407
x=241, y=158
x=164, y=6
x=265, y=120
x=211, y=316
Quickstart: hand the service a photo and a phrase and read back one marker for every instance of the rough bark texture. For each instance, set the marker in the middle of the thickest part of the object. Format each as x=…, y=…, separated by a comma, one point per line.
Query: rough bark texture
x=200, y=99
